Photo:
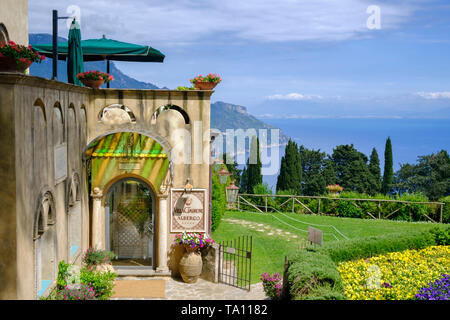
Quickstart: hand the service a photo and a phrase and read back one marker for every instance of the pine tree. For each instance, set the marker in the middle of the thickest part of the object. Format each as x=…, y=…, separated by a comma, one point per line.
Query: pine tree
x=254, y=166
x=388, y=174
x=290, y=177
x=374, y=168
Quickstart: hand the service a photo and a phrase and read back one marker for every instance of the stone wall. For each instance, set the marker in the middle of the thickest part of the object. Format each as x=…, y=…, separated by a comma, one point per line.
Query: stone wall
x=46, y=127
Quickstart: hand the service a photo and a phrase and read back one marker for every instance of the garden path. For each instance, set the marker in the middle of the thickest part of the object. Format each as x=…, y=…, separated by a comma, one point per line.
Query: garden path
x=176, y=289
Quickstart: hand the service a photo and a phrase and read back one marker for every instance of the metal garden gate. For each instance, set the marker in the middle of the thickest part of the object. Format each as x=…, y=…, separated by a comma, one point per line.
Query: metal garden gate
x=235, y=262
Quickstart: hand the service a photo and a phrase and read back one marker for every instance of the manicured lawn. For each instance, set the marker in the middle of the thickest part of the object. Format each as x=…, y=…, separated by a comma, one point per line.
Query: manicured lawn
x=278, y=235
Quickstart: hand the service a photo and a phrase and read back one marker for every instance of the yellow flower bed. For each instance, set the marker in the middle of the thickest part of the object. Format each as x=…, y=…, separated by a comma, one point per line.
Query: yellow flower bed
x=407, y=272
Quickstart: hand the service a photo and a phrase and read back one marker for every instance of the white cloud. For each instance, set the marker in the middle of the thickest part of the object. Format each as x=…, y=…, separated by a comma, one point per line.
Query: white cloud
x=185, y=21
x=434, y=95
x=294, y=96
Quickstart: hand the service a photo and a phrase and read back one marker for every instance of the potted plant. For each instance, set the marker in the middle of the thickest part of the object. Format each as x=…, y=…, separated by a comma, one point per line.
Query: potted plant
x=334, y=189
x=206, y=83
x=98, y=260
x=17, y=58
x=94, y=79
x=191, y=262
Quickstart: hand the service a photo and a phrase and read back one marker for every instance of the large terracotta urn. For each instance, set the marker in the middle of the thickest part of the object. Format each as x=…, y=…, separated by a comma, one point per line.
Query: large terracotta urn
x=190, y=265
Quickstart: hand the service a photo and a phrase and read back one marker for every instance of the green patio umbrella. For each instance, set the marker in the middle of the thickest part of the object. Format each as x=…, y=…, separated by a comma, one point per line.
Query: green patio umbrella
x=106, y=49
x=75, y=54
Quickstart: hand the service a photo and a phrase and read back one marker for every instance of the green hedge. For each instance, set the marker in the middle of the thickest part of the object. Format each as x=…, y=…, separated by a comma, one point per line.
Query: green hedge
x=312, y=273
x=314, y=276
x=371, y=246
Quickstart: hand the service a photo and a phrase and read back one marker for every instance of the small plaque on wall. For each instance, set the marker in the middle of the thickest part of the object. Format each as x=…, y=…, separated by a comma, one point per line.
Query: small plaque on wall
x=187, y=210
x=60, y=162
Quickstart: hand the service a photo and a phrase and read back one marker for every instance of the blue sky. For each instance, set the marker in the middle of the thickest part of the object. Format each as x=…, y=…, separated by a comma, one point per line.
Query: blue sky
x=313, y=55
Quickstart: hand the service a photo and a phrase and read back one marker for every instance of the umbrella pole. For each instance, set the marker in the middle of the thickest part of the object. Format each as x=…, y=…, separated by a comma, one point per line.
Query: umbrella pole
x=107, y=71
x=55, y=45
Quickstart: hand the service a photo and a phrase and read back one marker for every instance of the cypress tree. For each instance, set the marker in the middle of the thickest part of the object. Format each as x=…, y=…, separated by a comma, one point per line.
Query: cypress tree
x=243, y=182
x=290, y=177
x=374, y=168
x=254, y=166
x=388, y=174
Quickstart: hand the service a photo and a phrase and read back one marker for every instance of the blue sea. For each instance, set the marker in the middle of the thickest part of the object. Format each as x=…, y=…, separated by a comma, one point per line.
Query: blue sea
x=410, y=137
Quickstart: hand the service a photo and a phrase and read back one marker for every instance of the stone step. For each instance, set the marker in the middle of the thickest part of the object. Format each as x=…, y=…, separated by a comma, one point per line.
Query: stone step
x=126, y=271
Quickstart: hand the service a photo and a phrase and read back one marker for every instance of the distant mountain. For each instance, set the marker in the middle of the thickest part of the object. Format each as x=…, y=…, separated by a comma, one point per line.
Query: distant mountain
x=230, y=116
x=44, y=69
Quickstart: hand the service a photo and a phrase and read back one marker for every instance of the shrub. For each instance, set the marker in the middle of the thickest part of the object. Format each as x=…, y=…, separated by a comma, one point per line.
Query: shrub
x=446, y=210
x=348, y=209
x=437, y=290
x=76, y=292
x=310, y=274
x=368, y=247
x=441, y=235
x=219, y=202
x=101, y=282
x=93, y=257
x=413, y=212
x=272, y=285
x=62, y=274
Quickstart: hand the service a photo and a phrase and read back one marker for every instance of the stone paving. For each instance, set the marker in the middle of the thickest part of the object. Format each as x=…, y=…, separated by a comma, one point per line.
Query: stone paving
x=176, y=289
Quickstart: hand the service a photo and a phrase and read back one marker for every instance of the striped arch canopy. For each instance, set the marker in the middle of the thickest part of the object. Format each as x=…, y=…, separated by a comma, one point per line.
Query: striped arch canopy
x=127, y=153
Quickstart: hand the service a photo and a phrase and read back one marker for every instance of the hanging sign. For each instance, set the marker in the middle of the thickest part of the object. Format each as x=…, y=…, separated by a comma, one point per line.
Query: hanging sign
x=188, y=210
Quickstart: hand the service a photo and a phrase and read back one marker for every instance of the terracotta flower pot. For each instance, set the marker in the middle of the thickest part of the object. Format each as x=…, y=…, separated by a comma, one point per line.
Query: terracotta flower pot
x=95, y=84
x=8, y=64
x=204, y=85
x=190, y=266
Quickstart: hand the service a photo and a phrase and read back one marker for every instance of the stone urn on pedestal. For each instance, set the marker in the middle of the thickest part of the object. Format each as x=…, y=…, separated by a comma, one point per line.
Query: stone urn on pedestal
x=191, y=264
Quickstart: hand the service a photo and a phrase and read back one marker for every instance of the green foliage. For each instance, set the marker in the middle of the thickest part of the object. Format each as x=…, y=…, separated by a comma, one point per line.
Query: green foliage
x=446, y=209
x=219, y=202
x=410, y=211
x=232, y=167
x=374, y=169
x=243, y=181
x=441, y=235
x=263, y=188
x=352, y=171
x=290, y=177
x=348, y=209
x=254, y=165
x=102, y=282
x=371, y=246
x=185, y=88
x=312, y=275
x=63, y=268
x=93, y=257
x=388, y=174
x=431, y=176
x=317, y=171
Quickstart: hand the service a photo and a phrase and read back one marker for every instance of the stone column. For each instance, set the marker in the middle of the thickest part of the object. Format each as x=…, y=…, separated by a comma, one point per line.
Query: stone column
x=162, y=234
x=98, y=220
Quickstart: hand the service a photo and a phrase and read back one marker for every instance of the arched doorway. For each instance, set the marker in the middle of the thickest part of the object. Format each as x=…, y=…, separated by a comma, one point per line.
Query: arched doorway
x=130, y=219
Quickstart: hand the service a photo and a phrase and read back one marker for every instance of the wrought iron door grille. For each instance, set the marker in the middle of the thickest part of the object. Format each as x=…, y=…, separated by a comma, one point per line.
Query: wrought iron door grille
x=235, y=262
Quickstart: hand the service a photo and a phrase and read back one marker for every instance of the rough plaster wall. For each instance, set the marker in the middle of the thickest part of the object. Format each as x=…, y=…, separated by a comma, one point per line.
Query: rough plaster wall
x=37, y=171
x=7, y=196
x=14, y=15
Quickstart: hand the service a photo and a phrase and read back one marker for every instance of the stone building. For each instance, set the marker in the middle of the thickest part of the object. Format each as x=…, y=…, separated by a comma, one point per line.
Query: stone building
x=122, y=170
